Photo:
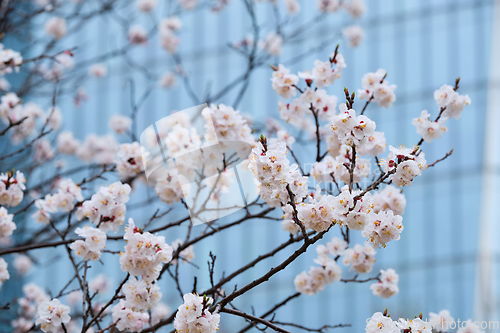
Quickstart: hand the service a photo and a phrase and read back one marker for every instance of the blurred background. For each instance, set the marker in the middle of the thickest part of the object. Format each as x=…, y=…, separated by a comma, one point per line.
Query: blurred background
x=449, y=250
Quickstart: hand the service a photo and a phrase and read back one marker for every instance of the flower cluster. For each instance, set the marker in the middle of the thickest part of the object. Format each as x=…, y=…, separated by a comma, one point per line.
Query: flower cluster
x=354, y=34
x=414, y=325
x=95, y=242
x=167, y=28
x=107, y=207
x=11, y=188
x=144, y=253
x=160, y=312
x=380, y=323
x=323, y=74
x=52, y=315
x=288, y=224
x=63, y=200
x=167, y=80
x=143, y=256
x=169, y=187
x=7, y=226
x=335, y=167
x=355, y=8
x=9, y=60
x=194, y=316
x=128, y=319
x=384, y=227
x=360, y=258
x=4, y=272
x=56, y=27
x=429, y=130
x=441, y=321
x=229, y=124
x=283, y=82
x=98, y=70
x=351, y=129
x=63, y=62
x=451, y=105
x=272, y=44
x=378, y=89
x=408, y=164
x=67, y=144
x=32, y=112
x=319, y=277
x=318, y=101
x=10, y=108
x=129, y=160
x=100, y=284
x=390, y=198
x=273, y=171
x=141, y=295
x=22, y=264
x=387, y=285
x=187, y=255
x=120, y=124
x=137, y=35
x=100, y=149
x=33, y=297
x=450, y=101
x=43, y=151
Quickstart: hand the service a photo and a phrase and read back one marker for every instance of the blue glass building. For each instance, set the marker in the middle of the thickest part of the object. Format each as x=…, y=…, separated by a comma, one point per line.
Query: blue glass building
x=448, y=252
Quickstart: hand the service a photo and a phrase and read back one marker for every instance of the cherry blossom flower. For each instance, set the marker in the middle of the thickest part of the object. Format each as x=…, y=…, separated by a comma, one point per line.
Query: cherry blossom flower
x=379, y=323
x=194, y=315
x=429, y=130
x=328, y=6
x=9, y=60
x=388, y=284
x=355, y=8
x=128, y=319
x=318, y=277
x=292, y=6
x=7, y=226
x=272, y=44
x=415, y=325
x=90, y=249
x=144, y=253
x=56, y=27
x=140, y=295
x=389, y=199
x=51, y=315
x=441, y=321
x=11, y=188
x=160, y=312
x=146, y=5
x=468, y=327
x=283, y=82
x=377, y=88
x=354, y=34
x=4, y=273
x=107, y=207
x=167, y=80
x=98, y=70
x=383, y=227
x=67, y=144
x=449, y=100
x=187, y=255
x=22, y=264
x=100, y=284
x=137, y=35
x=360, y=258
x=120, y=124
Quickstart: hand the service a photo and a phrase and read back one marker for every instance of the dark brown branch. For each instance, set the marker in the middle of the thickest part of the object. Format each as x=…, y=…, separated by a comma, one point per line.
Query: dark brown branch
x=254, y=319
